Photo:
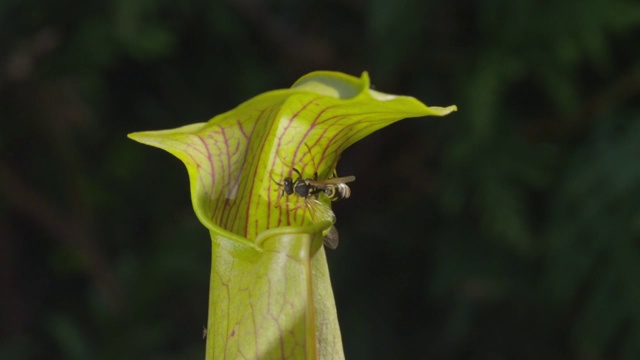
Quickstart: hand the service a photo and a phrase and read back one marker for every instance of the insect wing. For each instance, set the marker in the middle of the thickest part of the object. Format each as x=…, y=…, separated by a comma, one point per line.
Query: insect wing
x=320, y=211
x=332, y=181
x=331, y=239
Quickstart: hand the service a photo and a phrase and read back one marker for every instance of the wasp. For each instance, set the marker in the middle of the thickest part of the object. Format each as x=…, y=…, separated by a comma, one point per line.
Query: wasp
x=335, y=188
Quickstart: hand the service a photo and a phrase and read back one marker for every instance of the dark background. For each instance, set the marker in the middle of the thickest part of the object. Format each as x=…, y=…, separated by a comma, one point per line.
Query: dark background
x=510, y=229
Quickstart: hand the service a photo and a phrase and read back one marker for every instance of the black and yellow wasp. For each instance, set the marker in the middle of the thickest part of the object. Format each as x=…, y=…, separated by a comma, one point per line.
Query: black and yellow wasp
x=335, y=188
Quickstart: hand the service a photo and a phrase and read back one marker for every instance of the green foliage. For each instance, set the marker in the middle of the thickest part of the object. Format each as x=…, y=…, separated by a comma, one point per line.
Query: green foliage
x=599, y=187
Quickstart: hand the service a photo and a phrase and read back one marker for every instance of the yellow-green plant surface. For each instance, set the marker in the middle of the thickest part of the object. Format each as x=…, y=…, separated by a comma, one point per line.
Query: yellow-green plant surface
x=270, y=292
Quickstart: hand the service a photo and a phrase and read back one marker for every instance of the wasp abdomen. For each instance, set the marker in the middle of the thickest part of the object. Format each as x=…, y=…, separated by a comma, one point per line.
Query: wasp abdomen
x=338, y=191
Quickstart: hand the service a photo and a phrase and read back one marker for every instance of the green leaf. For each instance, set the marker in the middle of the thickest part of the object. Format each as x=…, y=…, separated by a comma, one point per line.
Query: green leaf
x=263, y=303
x=270, y=290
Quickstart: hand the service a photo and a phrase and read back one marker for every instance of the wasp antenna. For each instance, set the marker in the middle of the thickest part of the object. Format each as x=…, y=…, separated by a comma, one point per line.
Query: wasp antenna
x=279, y=184
x=274, y=180
x=285, y=161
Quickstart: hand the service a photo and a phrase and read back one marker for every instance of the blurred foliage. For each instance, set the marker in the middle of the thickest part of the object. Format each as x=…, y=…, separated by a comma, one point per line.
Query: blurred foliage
x=508, y=230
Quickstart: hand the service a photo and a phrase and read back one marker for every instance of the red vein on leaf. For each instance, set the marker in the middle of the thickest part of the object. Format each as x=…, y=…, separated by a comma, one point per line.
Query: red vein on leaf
x=252, y=160
x=312, y=127
x=229, y=156
x=255, y=324
x=253, y=182
x=357, y=134
x=275, y=318
x=327, y=124
x=225, y=178
x=293, y=159
x=187, y=144
x=188, y=150
x=250, y=168
x=336, y=119
x=212, y=169
x=277, y=151
x=341, y=135
x=216, y=198
x=197, y=163
x=334, y=143
x=239, y=123
x=225, y=285
x=214, y=142
x=231, y=180
x=233, y=186
x=331, y=121
x=200, y=170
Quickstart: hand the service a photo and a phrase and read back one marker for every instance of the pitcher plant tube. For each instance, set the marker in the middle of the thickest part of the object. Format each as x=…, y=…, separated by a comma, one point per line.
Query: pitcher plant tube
x=270, y=292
